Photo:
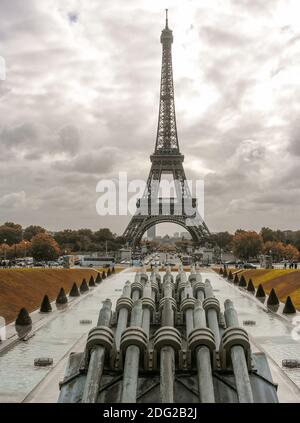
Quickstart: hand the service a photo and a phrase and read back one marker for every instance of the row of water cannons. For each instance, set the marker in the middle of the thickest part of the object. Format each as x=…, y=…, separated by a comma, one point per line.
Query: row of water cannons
x=23, y=323
x=204, y=341
x=272, y=302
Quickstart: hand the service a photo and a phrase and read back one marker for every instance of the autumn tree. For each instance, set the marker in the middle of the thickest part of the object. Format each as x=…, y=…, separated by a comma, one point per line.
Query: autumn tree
x=247, y=244
x=31, y=231
x=23, y=249
x=44, y=247
x=275, y=249
x=296, y=241
x=11, y=232
x=291, y=252
x=280, y=251
x=103, y=235
x=68, y=238
x=222, y=239
x=268, y=235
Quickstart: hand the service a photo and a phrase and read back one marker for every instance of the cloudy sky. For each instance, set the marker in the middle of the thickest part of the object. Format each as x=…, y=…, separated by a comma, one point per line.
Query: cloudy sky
x=80, y=103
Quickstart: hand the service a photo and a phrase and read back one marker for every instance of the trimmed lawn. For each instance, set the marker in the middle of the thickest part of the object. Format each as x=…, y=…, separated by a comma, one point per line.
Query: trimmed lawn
x=27, y=287
x=284, y=281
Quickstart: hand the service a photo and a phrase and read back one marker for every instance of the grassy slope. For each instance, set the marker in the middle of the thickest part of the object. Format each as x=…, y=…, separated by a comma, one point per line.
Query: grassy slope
x=27, y=287
x=284, y=281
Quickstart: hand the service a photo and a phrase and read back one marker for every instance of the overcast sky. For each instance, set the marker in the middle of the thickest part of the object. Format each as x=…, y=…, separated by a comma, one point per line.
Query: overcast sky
x=80, y=103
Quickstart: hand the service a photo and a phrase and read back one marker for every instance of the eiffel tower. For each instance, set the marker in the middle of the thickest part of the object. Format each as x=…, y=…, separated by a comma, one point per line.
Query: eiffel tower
x=166, y=159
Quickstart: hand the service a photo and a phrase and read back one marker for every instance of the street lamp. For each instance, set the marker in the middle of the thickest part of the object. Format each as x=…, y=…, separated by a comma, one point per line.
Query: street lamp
x=25, y=249
x=271, y=261
x=4, y=246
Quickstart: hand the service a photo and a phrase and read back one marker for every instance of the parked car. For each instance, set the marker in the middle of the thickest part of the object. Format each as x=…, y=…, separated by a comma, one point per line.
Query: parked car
x=53, y=263
x=249, y=266
x=39, y=264
x=169, y=264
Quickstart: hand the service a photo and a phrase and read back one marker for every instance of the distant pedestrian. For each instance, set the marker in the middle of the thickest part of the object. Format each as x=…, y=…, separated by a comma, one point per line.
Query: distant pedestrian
x=285, y=264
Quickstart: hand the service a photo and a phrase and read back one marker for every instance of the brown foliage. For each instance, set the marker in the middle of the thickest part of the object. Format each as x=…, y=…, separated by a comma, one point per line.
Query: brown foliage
x=247, y=244
x=44, y=247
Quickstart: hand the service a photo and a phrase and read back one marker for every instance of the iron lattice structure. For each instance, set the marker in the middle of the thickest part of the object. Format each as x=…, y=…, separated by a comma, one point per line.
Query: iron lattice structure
x=166, y=159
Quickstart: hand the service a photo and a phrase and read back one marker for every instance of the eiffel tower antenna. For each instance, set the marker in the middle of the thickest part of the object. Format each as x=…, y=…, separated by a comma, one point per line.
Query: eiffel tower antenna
x=166, y=158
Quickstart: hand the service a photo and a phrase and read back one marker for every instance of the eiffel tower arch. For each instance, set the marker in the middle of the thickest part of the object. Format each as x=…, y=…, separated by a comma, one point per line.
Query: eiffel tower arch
x=166, y=159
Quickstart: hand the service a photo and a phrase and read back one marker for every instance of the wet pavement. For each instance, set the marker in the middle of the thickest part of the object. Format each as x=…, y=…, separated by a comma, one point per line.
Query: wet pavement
x=18, y=375
x=63, y=333
x=272, y=333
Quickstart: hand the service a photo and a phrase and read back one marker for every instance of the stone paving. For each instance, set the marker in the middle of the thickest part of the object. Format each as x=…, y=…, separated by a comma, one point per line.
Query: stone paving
x=61, y=333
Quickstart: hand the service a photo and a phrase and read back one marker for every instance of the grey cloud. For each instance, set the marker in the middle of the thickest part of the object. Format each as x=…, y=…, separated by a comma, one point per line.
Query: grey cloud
x=69, y=139
x=221, y=38
x=36, y=140
x=14, y=200
x=256, y=6
x=99, y=162
x=21, y=134
x=81, y=102
x=294, y=142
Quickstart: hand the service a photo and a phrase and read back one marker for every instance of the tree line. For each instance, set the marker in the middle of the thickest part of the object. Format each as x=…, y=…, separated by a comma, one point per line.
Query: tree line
x=250, y=244
x=36, y=241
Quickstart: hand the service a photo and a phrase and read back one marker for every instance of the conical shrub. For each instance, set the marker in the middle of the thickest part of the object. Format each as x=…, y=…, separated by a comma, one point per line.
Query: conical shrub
x=74, y=291
x=242, y=282
x=103, y=275
x=289, y=307
x=61, y=298
x=221, y=271
x=250, y=287
x=225, y=274
x=230, y=276
x=108, y=272
x=23, y=323
x=236, y=280
x=92, y=282
x=98, y=278
x=273, y=302
x=45, y=306
x=272, y=299
x=113, y=270
x=23, y=318
x=260, y=293
x=84, y=286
